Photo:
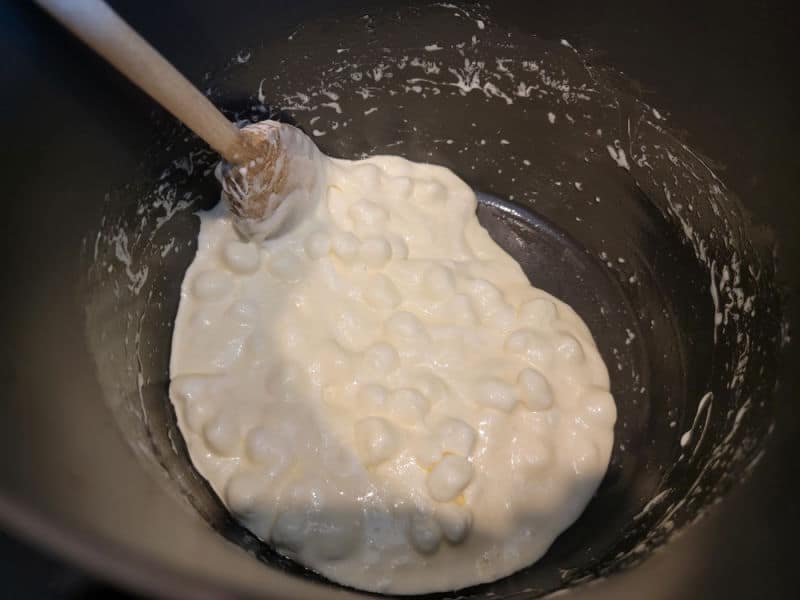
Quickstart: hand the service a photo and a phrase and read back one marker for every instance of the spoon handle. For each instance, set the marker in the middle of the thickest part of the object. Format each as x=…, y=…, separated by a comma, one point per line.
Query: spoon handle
x=97, y=25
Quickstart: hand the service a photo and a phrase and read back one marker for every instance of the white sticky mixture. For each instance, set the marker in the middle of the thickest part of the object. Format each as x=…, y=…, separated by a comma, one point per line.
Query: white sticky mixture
x=378, y=391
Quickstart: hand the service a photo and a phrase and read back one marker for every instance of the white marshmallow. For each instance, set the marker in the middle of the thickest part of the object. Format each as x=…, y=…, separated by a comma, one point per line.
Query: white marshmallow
x=372, y=398
x=269, y=449
x=221, y=434
x=242, y=257
x=429, y=193
x=345, y=245
x=461, y=311
x=496, y=393
x=534, y=346
x=407, y=406
x=534, y=389
x=425, y=533
x=376, y=440
x=455, y=436
x=380, y=358
x=289, y=530
x=439, y=281
x=449, y=477
x=539, y=312
x=569, y=348
x=405, y=326
x=599, y=406
x=375, y=252
x=455, y=521
x=368, y=216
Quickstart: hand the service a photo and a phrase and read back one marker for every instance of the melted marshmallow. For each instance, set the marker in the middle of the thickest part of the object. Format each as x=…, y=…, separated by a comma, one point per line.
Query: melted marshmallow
x=378, y=391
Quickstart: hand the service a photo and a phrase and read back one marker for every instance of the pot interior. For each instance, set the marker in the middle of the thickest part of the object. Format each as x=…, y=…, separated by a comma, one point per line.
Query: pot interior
x=583, y=183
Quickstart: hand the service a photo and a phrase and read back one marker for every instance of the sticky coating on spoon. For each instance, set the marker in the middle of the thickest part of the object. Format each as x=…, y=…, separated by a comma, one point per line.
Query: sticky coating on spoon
x=251, y=187
x=279, y=182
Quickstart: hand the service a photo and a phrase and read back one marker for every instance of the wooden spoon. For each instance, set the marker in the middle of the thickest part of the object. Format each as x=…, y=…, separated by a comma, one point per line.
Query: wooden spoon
x=255, y=165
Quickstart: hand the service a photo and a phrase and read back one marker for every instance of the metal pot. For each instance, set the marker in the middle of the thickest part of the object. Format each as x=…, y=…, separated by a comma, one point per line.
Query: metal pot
x=586, y=178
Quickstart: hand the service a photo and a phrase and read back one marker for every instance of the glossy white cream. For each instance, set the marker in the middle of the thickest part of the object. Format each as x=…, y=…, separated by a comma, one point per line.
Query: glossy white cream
x=378, y=391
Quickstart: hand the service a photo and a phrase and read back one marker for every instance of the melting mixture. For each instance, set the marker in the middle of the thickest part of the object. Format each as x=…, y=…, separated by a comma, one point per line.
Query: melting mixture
x=377, y=390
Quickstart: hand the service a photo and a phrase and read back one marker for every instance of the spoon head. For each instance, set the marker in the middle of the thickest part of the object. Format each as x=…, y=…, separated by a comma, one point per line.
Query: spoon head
x=253, y=189
x=278, y=182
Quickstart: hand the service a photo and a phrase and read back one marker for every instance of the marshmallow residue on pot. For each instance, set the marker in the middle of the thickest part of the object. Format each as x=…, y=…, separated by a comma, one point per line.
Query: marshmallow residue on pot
x=378, y=391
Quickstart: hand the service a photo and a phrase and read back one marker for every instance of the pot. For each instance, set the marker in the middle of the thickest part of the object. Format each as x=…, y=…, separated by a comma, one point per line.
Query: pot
x=585, y=176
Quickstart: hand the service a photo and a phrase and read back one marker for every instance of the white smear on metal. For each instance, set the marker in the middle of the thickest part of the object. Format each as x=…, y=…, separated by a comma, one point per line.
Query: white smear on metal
x=657, y=499
x=167, y=247
x=686, y=438
x=715, y=298
x=137, y=278
x=334, y=105
x=618, y=155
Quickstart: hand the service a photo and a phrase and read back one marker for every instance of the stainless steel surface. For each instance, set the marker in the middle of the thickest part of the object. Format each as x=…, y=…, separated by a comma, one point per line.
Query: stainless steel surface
x=70, y=481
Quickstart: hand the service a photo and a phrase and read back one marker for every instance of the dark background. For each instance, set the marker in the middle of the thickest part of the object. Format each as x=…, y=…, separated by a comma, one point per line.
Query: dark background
x=725, y=75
